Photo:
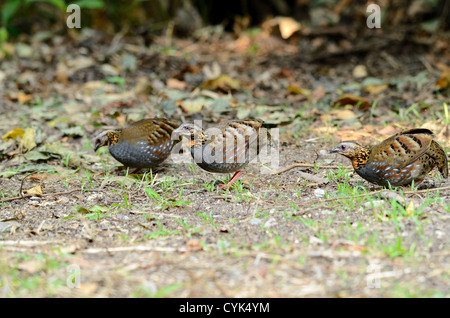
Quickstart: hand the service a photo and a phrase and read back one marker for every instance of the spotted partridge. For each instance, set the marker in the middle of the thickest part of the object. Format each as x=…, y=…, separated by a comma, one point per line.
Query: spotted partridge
x=223, y=149
x=144, y=144
x=402, y=158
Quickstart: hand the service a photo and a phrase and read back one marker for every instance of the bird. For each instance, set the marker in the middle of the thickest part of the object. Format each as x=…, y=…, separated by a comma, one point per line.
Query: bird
x=399, y=160
x=144, y=144
x=226, y=148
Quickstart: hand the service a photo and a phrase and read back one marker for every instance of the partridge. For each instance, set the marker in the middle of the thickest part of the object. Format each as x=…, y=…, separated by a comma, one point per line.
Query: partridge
x=144, y=144
x=402, y=158
x=223, y=149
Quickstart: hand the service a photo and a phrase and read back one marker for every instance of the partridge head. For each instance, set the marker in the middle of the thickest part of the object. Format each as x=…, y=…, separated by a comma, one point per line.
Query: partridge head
x=399, y=160
x=143, y=144
x=223, y=149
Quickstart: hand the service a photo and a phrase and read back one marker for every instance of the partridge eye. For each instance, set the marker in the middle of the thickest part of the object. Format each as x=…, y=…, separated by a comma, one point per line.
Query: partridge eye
x=343, y=147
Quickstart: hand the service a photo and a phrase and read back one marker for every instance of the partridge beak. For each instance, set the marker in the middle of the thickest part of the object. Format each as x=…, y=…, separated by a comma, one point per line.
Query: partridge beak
x=178, y=133
x=96, y=147
x=334, y=150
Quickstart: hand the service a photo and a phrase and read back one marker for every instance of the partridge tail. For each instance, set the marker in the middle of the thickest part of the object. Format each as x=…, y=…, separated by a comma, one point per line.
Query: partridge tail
x=440, y=157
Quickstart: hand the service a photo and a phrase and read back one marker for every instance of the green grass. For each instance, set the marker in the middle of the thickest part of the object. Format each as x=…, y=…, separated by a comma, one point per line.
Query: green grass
x=165, y=291
x=163, y=202
x=160, y=232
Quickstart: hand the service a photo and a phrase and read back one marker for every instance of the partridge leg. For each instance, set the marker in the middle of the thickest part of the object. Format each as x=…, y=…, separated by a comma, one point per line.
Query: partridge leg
x=135, y=170
x=234, y=178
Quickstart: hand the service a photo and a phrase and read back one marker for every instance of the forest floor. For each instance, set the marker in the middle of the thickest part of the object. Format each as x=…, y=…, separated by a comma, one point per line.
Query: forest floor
x=75, y=223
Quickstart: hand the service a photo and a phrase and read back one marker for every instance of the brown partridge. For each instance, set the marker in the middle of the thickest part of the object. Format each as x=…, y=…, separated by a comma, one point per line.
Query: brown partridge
x=223, y=149
x=399, y=160
x=144, y=144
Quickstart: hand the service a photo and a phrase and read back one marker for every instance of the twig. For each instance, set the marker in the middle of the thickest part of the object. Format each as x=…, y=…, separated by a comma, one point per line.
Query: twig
x=28, y=243
x=46, y=195
x=312, y=178
x=120, y=249
x=307, y=165
x=358, y=196
x=21, y=184
x=426, y=190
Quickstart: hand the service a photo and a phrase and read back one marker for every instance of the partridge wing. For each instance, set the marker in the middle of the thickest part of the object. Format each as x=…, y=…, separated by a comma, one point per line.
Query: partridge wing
x=233, y=139
x=153, y=135
x=403, y=148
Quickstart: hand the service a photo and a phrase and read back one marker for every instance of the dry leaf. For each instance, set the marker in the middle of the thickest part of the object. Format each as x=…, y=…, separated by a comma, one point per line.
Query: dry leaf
x=194, y=245
x=318, y=93
x=375, y=89
x=338, y=114
x=288, y=26
x=410, y=208
x=28, y=139
x=176, y=84
x=388, y=130
x=30, y=266
x=13, y=134
x=143, y=86
x=360, y=71
x=37, y=190
x=223, y=83
x=61, y=74
x=298, y=90
x=23, y=98
x=88, y=288
x=444, y=81
x=349, y=99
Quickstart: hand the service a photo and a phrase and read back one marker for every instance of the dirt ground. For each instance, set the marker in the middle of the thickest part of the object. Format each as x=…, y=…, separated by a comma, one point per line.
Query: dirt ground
x=83, y=227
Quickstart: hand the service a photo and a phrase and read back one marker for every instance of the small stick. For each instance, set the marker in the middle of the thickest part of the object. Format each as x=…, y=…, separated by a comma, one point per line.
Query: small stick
x=307, y=165
x=362, y=195
x=45, y=195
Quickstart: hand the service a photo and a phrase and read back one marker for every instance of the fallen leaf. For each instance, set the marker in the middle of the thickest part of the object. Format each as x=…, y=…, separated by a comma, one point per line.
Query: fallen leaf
x=376, y=89
x=23, y=98
x=318, y=93
x=223, y=83
x=143, y=86
x=349, y=99
x=444, y=80
x=62, y=74
x=38, y=155
x=338, y=114
x=288, y=26
x=93, y=209
x=88, y=288
x=76, y=131
x=37, y=190
x=410, y=208
x=28, y=139
x=360, y=71
x=169, y=107
x=13, y=134
x=194, y=245
x=298, y=90
x=31, y=266
x=193, y=105
x=388, y=130
x=177, y=84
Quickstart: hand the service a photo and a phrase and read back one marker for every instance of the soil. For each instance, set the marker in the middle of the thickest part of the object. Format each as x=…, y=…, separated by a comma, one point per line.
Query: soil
x=92, y=230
